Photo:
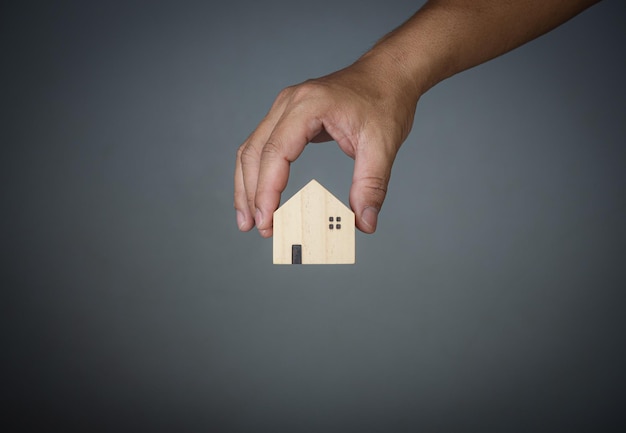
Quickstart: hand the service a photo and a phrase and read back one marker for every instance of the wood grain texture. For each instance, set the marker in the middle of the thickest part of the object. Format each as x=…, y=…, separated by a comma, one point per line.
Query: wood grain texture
x=305, y=219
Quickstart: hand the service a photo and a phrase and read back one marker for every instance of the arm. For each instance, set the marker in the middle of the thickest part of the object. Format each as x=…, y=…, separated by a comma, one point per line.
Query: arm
x=368, y=107
x=448, y=36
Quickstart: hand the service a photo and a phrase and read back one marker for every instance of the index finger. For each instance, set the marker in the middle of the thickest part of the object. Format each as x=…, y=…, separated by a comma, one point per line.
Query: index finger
x=247, y=164
x=291, y=134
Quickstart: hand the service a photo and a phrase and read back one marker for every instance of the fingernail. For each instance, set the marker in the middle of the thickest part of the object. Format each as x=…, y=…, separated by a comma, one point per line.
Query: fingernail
x=258, y=218
x=370, y=217
x=241, y=219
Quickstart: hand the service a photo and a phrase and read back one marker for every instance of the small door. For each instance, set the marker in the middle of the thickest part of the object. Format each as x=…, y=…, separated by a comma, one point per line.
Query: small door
x=296, y=254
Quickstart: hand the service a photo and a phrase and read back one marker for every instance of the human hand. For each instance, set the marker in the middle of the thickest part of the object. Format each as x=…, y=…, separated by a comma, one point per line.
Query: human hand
x=367, y=108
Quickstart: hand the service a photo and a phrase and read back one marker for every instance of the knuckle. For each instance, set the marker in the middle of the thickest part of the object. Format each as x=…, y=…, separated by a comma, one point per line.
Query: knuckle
x=240, y=151
x=271, y=149
x=283, y=97
x=310, y=89
x=375, y=187
x=247, y=154
x=284, y=94
x=299, y=94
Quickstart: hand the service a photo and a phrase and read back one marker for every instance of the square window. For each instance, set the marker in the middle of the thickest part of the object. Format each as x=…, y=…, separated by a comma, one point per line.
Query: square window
x=330, y=226
x=331, y=219
x=338, y=226
x=338, y=219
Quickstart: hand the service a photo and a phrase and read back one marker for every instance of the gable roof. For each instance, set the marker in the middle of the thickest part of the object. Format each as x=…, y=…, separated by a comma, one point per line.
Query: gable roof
x=309, y=188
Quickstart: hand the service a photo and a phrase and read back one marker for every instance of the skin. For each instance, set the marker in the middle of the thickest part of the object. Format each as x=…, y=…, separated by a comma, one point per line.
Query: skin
x=368, y=107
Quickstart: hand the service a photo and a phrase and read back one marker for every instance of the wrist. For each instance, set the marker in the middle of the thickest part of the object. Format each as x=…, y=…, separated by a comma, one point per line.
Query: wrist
x=391, y=67
x=413, y=56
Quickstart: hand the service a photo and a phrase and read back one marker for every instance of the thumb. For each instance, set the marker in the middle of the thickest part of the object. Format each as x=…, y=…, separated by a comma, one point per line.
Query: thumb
x=372, y=171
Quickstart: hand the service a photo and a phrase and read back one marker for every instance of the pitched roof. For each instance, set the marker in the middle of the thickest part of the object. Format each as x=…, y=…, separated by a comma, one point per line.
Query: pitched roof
x=309, y=187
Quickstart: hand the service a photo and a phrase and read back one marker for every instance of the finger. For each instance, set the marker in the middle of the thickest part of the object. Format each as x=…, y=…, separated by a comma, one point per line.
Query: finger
x=289, y=138
x=372, y=171
x=247, y=164
x=245, y=219
x=250, y=160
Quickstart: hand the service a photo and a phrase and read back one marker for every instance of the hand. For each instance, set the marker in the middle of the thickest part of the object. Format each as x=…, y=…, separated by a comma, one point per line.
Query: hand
x=367, y=108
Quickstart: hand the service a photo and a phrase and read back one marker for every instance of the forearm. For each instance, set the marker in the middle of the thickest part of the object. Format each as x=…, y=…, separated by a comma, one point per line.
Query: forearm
x=448, y=36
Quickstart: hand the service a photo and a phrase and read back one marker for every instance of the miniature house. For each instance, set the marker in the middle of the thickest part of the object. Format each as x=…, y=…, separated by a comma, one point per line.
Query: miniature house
x=314, y=227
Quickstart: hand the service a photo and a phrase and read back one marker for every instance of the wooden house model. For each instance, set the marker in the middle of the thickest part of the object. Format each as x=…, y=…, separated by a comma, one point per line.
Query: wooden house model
x=314, y=227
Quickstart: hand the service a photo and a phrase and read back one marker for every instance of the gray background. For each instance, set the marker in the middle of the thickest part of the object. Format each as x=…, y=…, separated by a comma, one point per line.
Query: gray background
x=491, y=297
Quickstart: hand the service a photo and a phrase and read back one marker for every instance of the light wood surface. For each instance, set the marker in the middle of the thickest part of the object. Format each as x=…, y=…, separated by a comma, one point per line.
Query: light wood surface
x=305, y=219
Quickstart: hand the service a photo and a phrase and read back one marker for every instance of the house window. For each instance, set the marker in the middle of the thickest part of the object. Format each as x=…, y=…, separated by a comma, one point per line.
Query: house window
x=332, y=219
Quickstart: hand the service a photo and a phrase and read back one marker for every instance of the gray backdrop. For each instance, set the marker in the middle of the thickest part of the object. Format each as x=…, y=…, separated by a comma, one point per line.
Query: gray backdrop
x=491, y=297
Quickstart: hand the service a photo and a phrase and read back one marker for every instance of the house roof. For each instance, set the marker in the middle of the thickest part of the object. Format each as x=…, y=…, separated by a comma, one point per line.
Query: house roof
x=309, y=188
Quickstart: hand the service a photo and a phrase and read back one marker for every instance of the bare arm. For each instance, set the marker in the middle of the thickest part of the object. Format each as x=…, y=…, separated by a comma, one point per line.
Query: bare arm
x=448, y=36
x=368, y=107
